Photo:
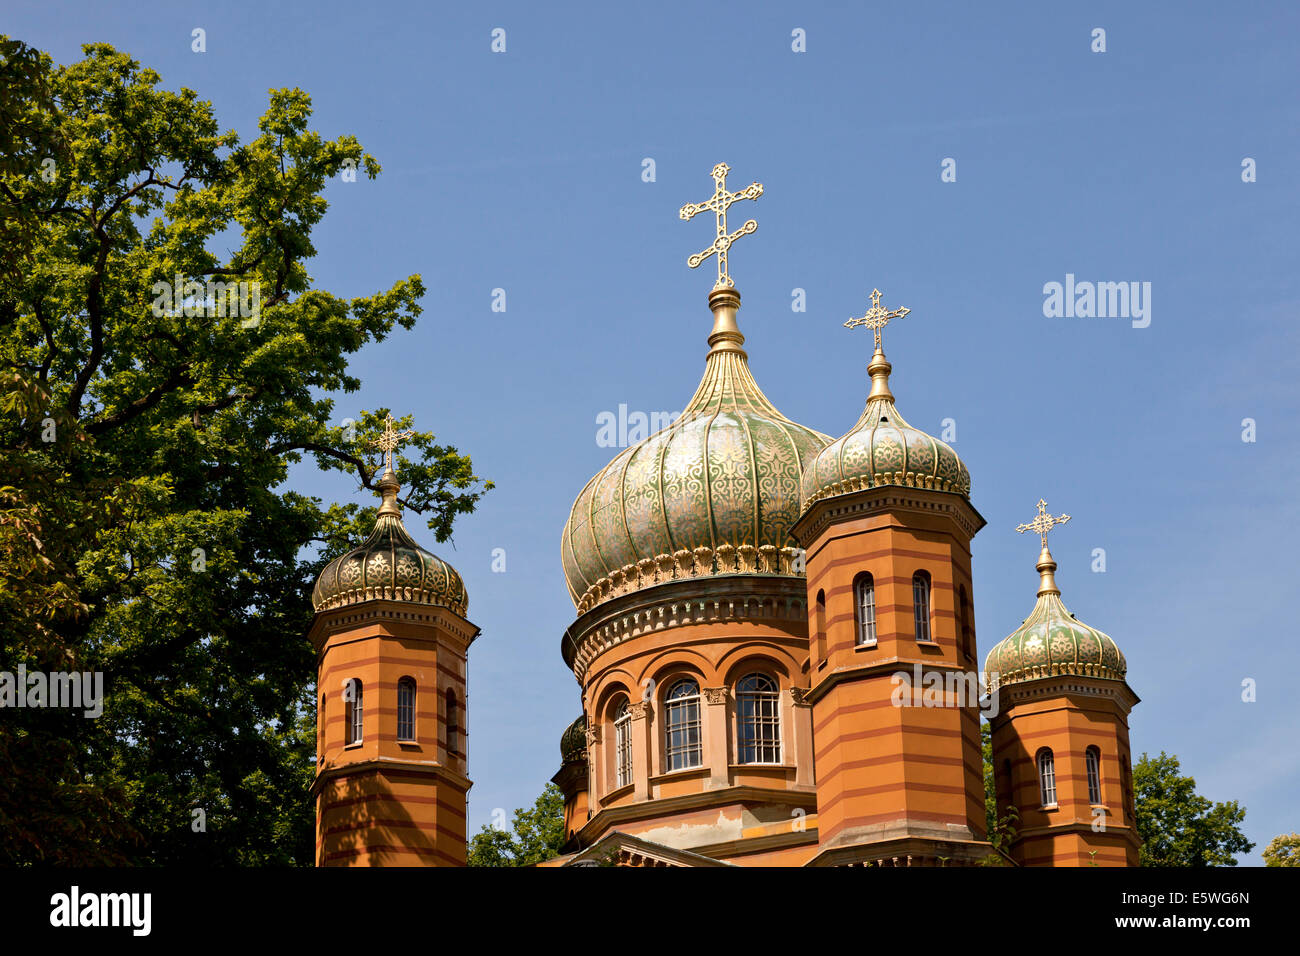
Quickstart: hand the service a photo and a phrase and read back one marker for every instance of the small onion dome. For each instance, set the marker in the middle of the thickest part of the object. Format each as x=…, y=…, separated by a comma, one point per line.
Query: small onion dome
x=390, y=566
x=573, y=742
x=714, y=493
x=1052, y=641
x=883, y=449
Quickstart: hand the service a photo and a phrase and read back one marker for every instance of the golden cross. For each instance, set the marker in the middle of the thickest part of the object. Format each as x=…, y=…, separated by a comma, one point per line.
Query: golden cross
x=876, y=318
x=718, y=203
x=390, y=439
x=1043, y=523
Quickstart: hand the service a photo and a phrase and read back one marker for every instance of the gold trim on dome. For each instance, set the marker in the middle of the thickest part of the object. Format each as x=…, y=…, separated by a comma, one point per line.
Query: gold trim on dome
x=718, y=204
x=698, y=563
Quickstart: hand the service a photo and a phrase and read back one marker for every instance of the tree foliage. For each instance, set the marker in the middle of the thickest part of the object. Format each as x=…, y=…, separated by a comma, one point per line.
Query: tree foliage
x=1178, y=826
x=1283, y=850
x=537, y=834
x=145, y=528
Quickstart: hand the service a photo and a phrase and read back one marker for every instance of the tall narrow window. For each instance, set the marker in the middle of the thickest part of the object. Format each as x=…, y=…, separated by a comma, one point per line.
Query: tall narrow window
x=320, y=729
x=758, y=719
x=682, y=725
x=623, y=743
x=453, y=723
x=820, y=623
x=864, y=596
x=1046, y=778
x=921, y=604
x=406, y=709
x=352, y=713
x=1092, y=759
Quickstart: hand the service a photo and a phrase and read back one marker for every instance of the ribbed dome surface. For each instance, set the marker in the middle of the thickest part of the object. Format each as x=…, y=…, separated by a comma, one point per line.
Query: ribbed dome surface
x=573, y=742
x=389, y=565
x=1052, y=642
x=883, y=449
x=714, y=493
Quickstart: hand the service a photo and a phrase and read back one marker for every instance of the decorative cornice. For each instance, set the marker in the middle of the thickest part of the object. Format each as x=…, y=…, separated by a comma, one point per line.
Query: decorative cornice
x=349, y=617
x=820, y=514
x=679, y=604
x=1061, y=685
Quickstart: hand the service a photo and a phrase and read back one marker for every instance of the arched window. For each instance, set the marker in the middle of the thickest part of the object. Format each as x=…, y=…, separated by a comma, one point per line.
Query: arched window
x=320, y=729
x=864, y=598
x=1046, y=778
x=406, y=709
x=623, y=743
x=820, y=624
x=1092, y=759
x=353, y=711
x=921, y=605
x=453, y=723
x=758, y=719
x=682, y=725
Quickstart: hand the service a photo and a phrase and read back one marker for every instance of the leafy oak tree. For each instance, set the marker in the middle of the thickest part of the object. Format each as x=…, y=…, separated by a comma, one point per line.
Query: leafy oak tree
x=148, y=426
x=537, y=834
x=1178, y=826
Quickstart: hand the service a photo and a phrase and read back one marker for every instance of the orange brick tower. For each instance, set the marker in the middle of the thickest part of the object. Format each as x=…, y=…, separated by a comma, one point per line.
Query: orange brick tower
x=1060, y=737
x=886, y=527
x=391, y=640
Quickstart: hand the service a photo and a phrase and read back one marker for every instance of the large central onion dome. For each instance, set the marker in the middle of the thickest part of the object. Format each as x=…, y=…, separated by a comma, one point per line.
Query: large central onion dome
x=713, y=493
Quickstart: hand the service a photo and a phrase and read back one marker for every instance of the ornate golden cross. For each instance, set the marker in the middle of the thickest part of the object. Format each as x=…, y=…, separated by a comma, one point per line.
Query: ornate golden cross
x=1043, y=523
x=719, y=202
x=876, y=318
x=390, y=439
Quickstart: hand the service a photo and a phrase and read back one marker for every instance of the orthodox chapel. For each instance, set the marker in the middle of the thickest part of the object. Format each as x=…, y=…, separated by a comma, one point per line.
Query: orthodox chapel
x=775, y=653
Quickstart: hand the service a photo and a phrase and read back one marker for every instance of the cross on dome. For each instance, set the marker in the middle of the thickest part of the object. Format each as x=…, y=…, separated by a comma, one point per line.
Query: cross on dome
x=390, y=439
x=876, y=317
x=1042, y=523
x=717, y=204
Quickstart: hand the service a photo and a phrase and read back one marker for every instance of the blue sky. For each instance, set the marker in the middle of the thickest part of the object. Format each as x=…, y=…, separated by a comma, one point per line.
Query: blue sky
x=523, y=171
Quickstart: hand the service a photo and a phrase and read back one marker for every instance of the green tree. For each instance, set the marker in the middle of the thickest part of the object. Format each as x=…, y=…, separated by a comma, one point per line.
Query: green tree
x=1178, y=826
x=537, y=834
x=1001, y=829
x=148, y=429
x=1283, y=850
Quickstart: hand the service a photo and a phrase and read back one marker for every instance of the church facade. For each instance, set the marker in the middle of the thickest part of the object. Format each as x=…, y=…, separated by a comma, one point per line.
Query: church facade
x=775, y=649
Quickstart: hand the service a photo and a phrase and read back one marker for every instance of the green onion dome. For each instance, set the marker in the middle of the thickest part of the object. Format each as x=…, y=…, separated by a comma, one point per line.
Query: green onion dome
x=883, y=449
x=573, y=742
x=390, y=566
x=1052, y=642
x=713, y=493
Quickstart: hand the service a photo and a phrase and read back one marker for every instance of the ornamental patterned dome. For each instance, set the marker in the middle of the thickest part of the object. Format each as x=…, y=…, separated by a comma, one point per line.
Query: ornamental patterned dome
x=713, y=493
x=1053, y=642
x=883, y=449
x=573, y=742
x=389, y=565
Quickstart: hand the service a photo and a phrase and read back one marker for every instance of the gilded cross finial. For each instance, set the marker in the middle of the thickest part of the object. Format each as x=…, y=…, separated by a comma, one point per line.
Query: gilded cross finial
x=718, y=204
x=1043, y=522
x=876, y=318
x=390, y=439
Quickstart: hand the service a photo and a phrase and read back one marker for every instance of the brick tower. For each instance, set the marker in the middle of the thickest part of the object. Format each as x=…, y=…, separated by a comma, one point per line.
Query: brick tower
x=886, y=528
x=391, y=640
x=1060, y=738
